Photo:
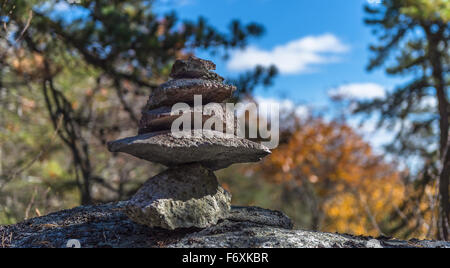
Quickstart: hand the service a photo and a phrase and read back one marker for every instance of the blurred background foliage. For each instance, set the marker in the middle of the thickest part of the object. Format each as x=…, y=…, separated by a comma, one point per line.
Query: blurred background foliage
x=69, y=84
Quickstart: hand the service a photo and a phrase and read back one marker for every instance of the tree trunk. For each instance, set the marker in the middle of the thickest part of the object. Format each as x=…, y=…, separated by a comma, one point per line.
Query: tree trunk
x=444, y=210
x=435, y=57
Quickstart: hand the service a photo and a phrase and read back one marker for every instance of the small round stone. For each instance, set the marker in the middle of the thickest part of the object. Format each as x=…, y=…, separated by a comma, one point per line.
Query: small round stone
x=191, y=66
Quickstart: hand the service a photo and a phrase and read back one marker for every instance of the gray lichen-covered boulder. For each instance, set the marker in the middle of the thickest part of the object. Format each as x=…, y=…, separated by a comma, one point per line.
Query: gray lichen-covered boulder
x=108, y=226
x=182, y=197
x=214, y=152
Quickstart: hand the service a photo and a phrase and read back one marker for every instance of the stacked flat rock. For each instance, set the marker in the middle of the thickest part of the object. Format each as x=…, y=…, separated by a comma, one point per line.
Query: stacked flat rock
x=187, y=194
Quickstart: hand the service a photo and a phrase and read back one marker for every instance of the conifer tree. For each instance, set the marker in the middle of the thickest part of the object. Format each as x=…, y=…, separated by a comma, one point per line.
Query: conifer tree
x=414, y=38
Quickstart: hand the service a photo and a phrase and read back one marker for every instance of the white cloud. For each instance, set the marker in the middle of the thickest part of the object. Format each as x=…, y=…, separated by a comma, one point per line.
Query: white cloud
x=286, y=106
x=178, y=3
x=62, y=7
x=358, y=91
x=372, y=133
x=428, y=102
x=295, y=57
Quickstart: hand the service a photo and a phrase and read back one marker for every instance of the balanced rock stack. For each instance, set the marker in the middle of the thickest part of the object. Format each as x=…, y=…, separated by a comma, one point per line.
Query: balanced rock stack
x=187, y=194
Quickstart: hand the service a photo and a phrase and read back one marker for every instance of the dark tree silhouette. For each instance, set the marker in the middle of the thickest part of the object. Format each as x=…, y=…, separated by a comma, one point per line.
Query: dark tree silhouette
x=414, y=42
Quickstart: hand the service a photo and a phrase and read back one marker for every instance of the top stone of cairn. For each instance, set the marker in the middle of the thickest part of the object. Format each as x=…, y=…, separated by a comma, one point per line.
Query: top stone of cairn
x=194, y=68
x=191, y=77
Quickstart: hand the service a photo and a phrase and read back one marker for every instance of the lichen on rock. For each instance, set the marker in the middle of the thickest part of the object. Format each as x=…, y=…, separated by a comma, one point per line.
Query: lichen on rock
x=181, y=197
x=245, y=227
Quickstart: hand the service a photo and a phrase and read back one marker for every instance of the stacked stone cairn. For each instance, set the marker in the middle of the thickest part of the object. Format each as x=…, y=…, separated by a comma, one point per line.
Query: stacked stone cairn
x=188, y=193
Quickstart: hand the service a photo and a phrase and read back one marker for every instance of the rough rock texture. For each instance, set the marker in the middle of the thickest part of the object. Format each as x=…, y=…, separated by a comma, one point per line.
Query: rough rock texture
x=214, y=153
x=187, y=196
x=156, y=113
x=182, y=197
x=192, y=63
x=183, y=90
x=195, y=68
x=161, y=119
x=108, y=226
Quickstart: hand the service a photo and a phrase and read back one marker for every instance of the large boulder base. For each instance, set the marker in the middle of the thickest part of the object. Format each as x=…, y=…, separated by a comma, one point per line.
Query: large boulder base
x=182, y=197
x=108, y=226
x=214, y=152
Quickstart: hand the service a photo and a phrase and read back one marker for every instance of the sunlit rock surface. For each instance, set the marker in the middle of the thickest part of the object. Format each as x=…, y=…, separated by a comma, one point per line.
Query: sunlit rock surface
x=108, y=226
x=215, y=152
x=182, y=197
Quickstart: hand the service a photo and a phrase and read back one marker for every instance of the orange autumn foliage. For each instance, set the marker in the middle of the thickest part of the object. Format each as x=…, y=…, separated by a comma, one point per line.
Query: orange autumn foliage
x=354, y=188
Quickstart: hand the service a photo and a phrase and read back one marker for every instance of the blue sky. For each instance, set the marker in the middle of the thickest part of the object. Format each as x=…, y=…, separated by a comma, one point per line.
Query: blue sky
x=288, y=24
x=320, y=47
